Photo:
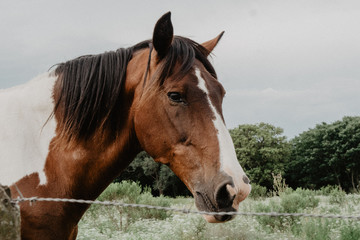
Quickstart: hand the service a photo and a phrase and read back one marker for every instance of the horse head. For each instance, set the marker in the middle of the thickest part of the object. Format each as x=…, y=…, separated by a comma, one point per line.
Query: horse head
x=178, y=120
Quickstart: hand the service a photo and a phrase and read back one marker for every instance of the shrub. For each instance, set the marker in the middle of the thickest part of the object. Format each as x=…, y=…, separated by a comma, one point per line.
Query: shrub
x=131, y=192
x=337, y=196
x=279, y=184
x=106, y=223
x=292, y=202
x=350, y=232
x=298, y=201
x=309, y=197
x=267, y=221
x=354, y=199
x=326, y=190
x=147, y=199
x=127, y=191
x=316, y=229
x=258, y=191
x=305, y=192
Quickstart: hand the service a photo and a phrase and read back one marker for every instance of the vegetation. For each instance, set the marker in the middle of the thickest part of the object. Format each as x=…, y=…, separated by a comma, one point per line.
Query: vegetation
x=156, y=176
x=103, y=222
x=261, y=150
x=325, y=159
x=328, y=154
x=132, y=192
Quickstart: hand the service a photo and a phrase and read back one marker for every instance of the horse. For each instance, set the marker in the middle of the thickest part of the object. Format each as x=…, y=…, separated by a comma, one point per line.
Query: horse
x=69, y=132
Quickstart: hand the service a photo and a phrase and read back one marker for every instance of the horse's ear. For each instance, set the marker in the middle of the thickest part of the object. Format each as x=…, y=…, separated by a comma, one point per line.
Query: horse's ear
x=211, y=44
x=163, y=35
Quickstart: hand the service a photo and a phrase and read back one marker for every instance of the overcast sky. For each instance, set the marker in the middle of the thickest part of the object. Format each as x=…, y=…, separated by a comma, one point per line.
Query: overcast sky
x=293, y=64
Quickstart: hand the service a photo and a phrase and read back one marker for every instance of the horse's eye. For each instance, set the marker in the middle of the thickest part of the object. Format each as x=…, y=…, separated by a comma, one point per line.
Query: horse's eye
x=175, y=97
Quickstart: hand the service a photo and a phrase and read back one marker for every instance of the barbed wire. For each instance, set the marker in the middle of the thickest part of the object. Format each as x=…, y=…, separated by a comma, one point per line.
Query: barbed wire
x=185, y=211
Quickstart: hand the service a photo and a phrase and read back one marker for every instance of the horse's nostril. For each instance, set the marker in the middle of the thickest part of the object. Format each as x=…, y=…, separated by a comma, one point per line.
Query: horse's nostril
x=223, y=197
x=246, y=179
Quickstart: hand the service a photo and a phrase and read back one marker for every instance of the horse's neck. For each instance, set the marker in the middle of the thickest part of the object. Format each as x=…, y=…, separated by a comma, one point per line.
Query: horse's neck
x=86, y=169
x=25, y=141
x=55, y=169
x=93, y=164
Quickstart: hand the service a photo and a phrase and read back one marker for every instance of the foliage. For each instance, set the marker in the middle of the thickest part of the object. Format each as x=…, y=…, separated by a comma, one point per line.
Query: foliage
x=290, y=202
x=329, y=154
x=131, y=192
x=337, y=196
x=261, y=150
x=298, y=201
x=258, y=191
x=127, y=191
x=350, y=231
x=104, y=222
x=326, y=190
x=279, y=185
x=157, y=176
x=316, y=229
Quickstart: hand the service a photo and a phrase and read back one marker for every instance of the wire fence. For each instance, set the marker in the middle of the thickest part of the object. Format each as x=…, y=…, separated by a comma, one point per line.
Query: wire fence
x=33, y=200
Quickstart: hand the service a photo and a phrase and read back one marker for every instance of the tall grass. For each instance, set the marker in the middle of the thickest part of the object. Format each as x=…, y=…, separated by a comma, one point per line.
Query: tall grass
x=102, y=222
x=129, y=192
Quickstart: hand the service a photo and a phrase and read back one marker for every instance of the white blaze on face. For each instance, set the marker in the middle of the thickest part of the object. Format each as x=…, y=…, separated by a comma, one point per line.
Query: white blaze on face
x=24, y=139
x=228, y=160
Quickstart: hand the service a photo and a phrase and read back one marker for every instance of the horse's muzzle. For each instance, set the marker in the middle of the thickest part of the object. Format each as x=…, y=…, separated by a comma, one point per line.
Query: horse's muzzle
x=224, y=198
x=221, y=201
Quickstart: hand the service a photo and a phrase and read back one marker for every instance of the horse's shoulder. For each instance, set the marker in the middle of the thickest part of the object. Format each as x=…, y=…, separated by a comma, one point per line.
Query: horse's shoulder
x=24, y=139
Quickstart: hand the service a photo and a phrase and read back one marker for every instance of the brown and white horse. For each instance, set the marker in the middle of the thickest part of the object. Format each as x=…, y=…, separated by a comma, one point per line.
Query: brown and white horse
x=68, y=133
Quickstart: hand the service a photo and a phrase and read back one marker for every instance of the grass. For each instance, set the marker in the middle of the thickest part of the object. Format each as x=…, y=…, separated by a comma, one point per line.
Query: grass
x=102, y=222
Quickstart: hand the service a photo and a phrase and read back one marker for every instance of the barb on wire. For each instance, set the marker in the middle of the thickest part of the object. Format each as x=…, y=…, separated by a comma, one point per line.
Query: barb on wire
x=186, y=211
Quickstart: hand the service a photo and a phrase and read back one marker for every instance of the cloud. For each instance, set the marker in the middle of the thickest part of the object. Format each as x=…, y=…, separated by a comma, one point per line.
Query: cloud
x=295, y=110
x=290, y=63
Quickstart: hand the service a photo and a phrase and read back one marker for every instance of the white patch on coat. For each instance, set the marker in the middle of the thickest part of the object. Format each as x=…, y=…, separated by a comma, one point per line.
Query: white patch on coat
x=228, y=160
x=24, y=137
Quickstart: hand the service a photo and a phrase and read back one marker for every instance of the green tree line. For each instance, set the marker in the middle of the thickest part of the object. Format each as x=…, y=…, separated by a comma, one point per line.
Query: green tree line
x=328, y=154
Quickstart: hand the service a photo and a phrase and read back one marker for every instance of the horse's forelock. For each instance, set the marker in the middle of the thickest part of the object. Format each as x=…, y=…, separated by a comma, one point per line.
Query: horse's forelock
x=184, y=51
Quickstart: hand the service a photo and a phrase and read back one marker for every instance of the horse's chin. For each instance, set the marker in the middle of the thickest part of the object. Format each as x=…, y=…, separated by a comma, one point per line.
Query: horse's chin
x=213, y=219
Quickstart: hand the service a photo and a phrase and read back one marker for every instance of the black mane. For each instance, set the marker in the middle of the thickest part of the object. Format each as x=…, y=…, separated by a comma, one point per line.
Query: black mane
x=88, y=89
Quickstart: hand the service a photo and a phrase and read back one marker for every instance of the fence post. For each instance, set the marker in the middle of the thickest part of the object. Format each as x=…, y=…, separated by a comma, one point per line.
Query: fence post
x=9, y=216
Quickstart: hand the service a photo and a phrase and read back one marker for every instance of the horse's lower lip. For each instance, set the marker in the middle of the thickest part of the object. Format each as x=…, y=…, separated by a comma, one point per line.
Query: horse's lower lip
x=223, y=218
x=218, y=218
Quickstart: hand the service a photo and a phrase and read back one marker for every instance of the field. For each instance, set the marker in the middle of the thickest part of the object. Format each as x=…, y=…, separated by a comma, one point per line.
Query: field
x=104, y=222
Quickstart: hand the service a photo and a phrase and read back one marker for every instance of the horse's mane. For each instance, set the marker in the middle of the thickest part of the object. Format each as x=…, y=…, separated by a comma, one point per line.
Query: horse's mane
x=88, y=90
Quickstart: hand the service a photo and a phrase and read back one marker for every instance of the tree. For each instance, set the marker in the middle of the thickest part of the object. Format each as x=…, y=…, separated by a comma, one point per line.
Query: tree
x=328, y=154
x=155, y=175
x=261, y=150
